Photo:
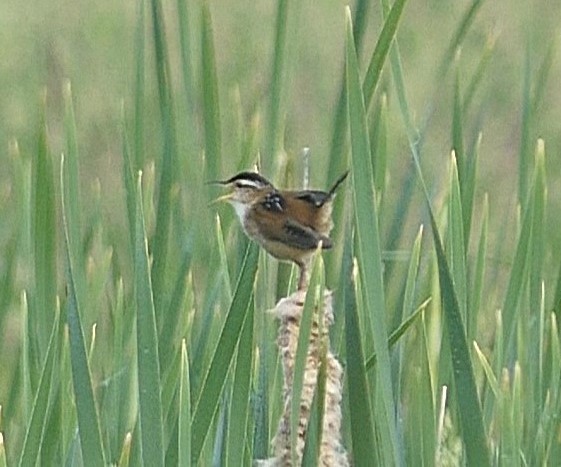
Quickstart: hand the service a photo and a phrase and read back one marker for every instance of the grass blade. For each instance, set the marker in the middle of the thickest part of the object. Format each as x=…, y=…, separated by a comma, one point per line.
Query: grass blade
x=72, y=183
x=554, y=387
x=184, y=423
x=468, y=189
x=286, y=37
x=88, y=420
x=474, y=299
x=139, y=81
x=129, y=184
x=457, y=129
x=44, y=248
x=339, y=140
x=479, y=72
x=524, y=156
x=470, y=411
x=241, y=391
x=312, y=303
x=149, y=383
x=211, y=108
x=378, y=143
x=381, y=51
x=459, y=35
x=415, y=136
x=174, y=310
x=215, y=377
x=518, y=273
x=314, y=433
x=537, y=253
x=369, y=252
x=400, y=331
x=3, y=462
x=489, y=374
x=261, y=404
x=278, y=75
x=36, y=425
x=468, y=402
x=169, y=155
x=532, y=95
x=425, y=399
x=124, y=457
x=184, y=9
x=412, y=278
x=361, y=423
x=456, y=252
x=223, y=260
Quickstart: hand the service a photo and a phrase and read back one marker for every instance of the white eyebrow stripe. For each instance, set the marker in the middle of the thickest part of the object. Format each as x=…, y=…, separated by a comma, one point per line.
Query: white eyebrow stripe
x=247, y=183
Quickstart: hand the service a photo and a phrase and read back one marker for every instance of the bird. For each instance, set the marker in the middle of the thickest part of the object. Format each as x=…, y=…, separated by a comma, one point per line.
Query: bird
x=288, y=224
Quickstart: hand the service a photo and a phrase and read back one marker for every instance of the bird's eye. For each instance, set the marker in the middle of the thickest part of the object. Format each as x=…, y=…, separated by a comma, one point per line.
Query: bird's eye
x=245, y=184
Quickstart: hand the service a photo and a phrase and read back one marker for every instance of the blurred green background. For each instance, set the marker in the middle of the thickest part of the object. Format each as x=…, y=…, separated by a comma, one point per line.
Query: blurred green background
x=92, y=44
x=509, y=54
x=45, y=44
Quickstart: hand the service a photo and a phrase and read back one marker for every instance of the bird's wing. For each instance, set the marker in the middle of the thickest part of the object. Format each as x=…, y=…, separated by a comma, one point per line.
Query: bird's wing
x=290, y=231
x=302, y=237
x=314, y=197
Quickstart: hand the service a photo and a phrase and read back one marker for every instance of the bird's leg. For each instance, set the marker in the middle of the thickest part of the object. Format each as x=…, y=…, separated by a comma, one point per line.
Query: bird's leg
x=304, y=275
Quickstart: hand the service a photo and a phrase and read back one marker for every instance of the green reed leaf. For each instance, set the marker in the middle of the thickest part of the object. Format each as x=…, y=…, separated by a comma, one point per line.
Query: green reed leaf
x=241, y=391
x=369, y=251
x=149, y=383
x=184, y=422
x=42, y=401
x=215, y=377
x=88, y=419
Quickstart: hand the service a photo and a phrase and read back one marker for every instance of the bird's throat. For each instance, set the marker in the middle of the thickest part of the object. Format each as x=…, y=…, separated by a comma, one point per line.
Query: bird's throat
x=241, y=210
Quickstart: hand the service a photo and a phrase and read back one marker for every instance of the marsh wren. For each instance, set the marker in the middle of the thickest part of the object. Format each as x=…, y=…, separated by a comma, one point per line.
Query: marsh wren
x=288, y=224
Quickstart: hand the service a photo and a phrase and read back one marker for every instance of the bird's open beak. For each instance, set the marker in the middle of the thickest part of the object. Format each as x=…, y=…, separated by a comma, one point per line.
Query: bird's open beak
x=225, y=197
